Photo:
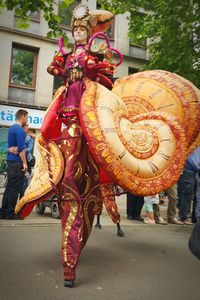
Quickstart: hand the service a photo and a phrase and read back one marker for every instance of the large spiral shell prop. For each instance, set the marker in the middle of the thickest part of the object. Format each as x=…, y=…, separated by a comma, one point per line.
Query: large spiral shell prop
x=163, y=91
x=142, y=131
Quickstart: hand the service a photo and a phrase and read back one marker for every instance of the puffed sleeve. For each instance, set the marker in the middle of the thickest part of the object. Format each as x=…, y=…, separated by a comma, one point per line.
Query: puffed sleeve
x=57, y=66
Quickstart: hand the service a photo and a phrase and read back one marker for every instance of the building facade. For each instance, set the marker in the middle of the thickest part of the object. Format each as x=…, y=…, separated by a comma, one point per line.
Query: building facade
x=25, y=55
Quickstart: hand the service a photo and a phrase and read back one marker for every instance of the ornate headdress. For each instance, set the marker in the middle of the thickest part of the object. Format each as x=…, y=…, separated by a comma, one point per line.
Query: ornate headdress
x=94, y=21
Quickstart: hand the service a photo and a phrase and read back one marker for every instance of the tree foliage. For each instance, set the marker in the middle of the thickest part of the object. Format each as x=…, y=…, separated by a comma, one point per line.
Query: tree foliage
x=23, y=9
x=22, y=66
x=173, y=28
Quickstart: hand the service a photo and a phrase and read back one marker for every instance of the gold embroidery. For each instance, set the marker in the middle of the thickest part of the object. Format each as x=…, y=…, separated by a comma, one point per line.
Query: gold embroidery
x=75, y=130
x=78, y=148
x=80, y=235
x=86, y=204
x=68, y=196
x=70, y=109
x=96, y=176
x=73, y=211
x=88, y=182
x=79, y=171
x=68, y=187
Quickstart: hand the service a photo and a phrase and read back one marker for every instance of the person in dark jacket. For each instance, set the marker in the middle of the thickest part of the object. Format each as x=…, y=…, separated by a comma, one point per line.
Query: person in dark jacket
x=190, y=171
x=194, y=241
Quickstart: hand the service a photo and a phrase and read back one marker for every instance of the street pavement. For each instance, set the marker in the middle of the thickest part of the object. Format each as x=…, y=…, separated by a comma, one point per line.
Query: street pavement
x=151, y=263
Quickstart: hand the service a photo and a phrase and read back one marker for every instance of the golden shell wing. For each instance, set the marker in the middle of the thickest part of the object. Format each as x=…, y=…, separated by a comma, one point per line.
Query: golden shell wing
x=47, y=174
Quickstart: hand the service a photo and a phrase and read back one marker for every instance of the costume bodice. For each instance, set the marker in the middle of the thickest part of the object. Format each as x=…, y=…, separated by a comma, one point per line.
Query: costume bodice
x=76, y=59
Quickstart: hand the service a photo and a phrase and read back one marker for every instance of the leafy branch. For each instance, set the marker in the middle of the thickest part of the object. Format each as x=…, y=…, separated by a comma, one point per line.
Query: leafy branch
x=25, y=8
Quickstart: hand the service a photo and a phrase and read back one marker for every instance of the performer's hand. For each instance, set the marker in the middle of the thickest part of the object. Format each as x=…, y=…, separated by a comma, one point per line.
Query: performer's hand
x=25, y=167
x=91, y=62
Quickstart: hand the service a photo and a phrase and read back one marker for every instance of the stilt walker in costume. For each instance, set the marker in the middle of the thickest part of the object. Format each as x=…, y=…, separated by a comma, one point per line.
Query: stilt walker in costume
x=139, y=133
x=78, y=188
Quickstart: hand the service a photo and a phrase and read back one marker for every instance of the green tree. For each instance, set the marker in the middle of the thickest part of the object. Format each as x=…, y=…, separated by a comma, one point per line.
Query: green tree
x=65, y=12
x=173, y=28
x=22, y=67
x=23, y=9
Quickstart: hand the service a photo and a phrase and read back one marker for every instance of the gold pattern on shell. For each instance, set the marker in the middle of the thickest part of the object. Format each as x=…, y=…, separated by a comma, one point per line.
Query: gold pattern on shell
x=166, y=92
x=142, y=153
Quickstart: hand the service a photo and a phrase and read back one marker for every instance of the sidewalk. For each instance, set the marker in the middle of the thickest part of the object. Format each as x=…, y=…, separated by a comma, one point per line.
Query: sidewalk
x=151, y=262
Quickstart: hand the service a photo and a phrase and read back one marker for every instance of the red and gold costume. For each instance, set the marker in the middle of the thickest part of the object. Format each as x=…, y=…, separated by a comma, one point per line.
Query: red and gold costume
x=140, y=133
x=107, y=197
x=79, y=187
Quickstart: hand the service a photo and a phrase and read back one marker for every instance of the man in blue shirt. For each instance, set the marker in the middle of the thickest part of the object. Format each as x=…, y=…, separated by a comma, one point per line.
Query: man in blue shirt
x=16, y=165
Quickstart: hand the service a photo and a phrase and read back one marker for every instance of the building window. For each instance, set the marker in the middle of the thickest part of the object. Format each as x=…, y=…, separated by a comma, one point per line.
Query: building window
x=137, y=42
x=23, y=66
x=65, y=12
x=132, y=70
x=142, y=44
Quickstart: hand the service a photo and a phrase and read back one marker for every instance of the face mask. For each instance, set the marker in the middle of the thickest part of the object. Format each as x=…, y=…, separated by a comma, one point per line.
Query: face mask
x=80, y=35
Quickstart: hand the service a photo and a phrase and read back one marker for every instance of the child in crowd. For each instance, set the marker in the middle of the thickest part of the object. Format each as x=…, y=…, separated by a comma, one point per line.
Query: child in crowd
x=148, y=205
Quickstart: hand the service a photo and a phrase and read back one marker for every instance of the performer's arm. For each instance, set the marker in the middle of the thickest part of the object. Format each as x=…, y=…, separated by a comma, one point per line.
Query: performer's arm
x=56, y=68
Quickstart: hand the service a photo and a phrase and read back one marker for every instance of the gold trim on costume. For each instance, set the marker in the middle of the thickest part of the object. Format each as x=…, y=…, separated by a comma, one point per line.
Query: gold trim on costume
x=88, y=182
x=70, y=220
x=78, y=149
x=80, y=235
x=87, y=202
x=79, y=171
x=68, y=187
x=91, y=160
